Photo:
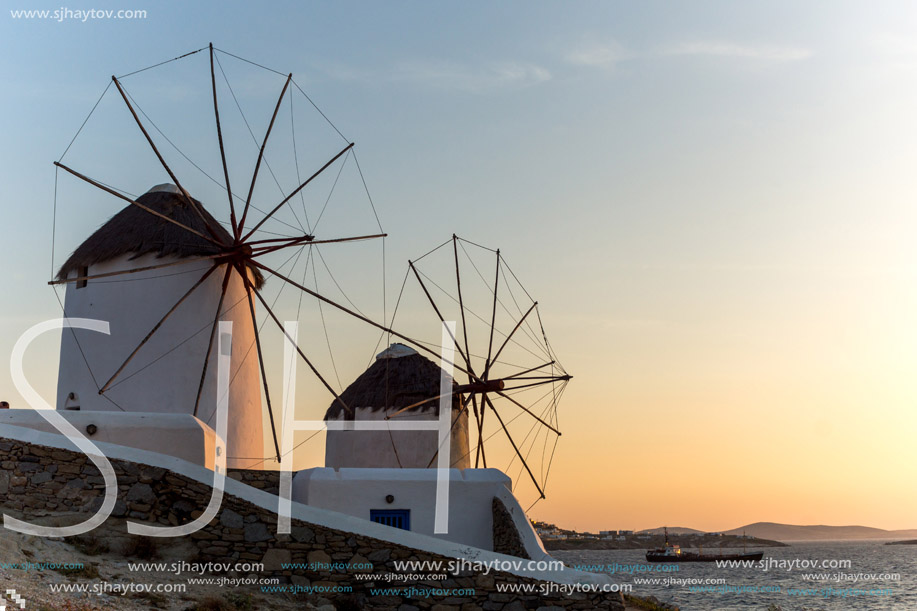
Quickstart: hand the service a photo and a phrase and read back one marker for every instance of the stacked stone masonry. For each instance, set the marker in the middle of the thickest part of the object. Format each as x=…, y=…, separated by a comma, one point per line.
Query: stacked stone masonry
x=506, y=536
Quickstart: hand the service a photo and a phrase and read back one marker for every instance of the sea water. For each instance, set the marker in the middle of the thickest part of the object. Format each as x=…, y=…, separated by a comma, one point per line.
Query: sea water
x=804, y=576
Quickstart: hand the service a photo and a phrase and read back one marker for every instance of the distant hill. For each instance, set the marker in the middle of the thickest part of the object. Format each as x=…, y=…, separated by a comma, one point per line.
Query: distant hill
x=673, y=530
x=790, y=532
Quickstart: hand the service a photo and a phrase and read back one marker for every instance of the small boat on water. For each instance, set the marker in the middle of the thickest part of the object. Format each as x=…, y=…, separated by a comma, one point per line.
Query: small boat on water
x=674, y=553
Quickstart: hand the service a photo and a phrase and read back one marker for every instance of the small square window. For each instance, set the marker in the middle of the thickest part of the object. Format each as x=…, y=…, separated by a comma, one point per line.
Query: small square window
x=82, y=271
x=397, y=518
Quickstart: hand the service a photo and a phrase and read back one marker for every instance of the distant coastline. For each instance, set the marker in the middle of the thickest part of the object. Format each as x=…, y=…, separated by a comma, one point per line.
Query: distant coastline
x=765, y=534
x=642, y=541
x=820, y=532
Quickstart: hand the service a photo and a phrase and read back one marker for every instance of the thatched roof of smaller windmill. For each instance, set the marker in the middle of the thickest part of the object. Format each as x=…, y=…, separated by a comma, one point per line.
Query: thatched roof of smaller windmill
x=135, y=232
x=398, y=378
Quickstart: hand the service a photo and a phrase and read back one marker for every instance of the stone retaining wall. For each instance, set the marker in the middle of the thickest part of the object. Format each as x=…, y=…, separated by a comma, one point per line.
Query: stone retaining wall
x=506, y=536
x=269, y=481
x=45, y=480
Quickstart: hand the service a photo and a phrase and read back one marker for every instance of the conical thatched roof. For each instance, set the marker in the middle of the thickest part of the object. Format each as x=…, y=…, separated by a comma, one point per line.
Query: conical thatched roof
x=400, y=377
x=135, y=232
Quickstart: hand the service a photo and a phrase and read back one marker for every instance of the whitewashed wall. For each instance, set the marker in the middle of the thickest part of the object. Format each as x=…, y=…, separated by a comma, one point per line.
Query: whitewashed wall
x=355, y=491
x=133, y=304
x=377, y=449
x=179, y=435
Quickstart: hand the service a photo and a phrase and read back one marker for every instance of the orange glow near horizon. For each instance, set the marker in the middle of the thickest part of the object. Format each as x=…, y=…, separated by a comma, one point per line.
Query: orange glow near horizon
x=804, y=416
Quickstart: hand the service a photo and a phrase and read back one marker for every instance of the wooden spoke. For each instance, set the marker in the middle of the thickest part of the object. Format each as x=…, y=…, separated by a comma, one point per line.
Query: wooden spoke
x=294, y=192
x=251, y=188
x=213, y=331
x=521, y=373
x=303, y=356
x=479, y=455
x=129, y=200
x=155, y=328
x=516, y=328
x=546, y=380
x=527, y=411
x=286, y=241
x=478, y=415
x=262, y=250
x=438, y=313
x=249, y=289
x=358, y=238
x=493, y=319
x=136, y=269
x=562, y=378
x=518, y=453
x=162, y=161
x=216, y=115
x=354, y=314
x=458, y=284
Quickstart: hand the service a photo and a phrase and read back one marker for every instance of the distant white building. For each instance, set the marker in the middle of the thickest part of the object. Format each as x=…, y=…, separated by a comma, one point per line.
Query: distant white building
x=551, y=533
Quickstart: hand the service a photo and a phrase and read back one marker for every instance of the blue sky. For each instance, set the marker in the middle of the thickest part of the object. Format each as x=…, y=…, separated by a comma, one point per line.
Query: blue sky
x=706, y=197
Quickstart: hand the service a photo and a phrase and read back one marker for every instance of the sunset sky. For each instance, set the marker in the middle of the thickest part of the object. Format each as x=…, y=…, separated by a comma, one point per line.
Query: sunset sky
x=713, y=203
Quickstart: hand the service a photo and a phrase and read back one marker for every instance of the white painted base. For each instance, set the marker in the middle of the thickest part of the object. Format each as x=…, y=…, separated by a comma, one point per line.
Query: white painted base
x=180, y=435
x=471, y=492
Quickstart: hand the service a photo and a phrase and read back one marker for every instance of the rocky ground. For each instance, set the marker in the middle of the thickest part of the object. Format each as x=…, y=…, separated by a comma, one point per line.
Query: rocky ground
x=105, y=555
